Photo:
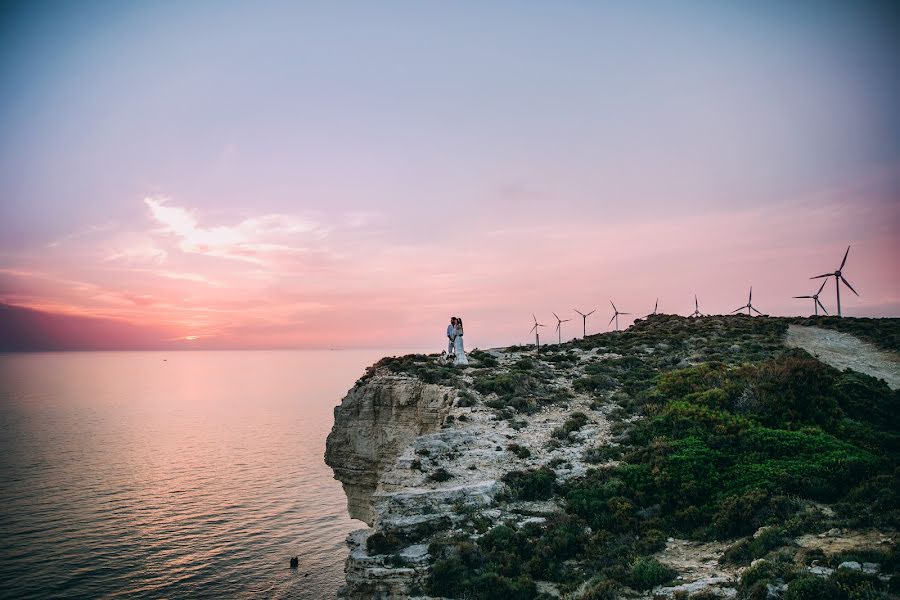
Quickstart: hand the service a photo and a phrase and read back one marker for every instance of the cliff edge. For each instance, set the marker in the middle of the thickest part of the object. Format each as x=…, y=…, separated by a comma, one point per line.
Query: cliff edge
x=682, y=458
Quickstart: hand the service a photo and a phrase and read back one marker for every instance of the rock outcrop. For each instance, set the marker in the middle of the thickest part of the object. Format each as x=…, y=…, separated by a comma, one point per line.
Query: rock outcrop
x=374, y=422
x=413, y=462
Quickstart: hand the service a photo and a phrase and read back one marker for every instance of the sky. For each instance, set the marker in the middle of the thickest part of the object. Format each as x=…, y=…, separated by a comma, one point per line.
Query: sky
x=342, y=174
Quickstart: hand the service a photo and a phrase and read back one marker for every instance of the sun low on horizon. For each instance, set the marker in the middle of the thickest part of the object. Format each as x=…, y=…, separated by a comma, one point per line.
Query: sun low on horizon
x=351, y=175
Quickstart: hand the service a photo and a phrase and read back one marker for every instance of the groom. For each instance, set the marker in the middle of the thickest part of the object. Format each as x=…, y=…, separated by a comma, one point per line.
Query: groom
x=451, y=335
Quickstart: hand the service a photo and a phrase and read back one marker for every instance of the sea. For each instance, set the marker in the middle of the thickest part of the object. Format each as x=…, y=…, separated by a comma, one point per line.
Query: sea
x=172, y=474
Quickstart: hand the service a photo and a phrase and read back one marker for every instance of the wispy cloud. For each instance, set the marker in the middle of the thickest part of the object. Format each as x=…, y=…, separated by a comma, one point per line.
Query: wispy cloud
x=188, y=277
x=358, y=218
x=81, y=233
x=134, y=248
x=250, y=240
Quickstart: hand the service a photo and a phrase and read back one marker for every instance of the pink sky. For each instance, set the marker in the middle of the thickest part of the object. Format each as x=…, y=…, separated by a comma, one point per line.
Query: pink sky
x=287, y=193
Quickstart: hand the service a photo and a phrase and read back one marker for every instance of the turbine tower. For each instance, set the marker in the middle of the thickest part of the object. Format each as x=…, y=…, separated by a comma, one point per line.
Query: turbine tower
x=838, y=278
x=815, y=299
x=615, y=316
x=537, y=337
x=655, y=306
x=559, y=323
x=696, y=312
x=749, y=306
x=584, y=318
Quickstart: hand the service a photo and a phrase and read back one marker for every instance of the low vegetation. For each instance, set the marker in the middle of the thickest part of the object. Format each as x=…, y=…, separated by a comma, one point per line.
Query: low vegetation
x=732, y=433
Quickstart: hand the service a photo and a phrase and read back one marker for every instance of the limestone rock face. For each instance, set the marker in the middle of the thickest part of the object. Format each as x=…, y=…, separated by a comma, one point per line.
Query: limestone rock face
x=375, y=421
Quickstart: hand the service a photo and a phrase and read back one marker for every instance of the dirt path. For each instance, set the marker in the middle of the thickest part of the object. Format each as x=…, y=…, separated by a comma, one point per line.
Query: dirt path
x=842, y=351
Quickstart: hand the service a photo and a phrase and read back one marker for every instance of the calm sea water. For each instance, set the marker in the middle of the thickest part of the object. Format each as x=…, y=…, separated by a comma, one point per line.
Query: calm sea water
x=171, y=475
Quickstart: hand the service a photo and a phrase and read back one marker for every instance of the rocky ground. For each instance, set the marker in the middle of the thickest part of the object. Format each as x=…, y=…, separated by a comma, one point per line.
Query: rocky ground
x=432, y=456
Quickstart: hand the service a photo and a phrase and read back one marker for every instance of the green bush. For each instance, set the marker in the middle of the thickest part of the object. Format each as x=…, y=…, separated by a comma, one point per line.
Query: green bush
x=483, y=359
x=576, y=421
x=536, y=484
x=524, y=364
x=810, y=587
x=519, y=451
x=647, y=572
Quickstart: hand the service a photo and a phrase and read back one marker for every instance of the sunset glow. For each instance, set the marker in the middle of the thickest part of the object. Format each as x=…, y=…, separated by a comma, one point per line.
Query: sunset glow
x=159, y=189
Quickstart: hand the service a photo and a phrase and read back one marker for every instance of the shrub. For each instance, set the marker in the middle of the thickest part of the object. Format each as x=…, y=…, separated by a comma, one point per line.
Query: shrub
x=750, y=549
x=531, y=485
x=604, y=589
x=440, y=475
x=524, y=364
x=856, y=585
x=810, y=587
x=602, y=454
x=465, y=399
x=576, y=421
x=483, y=359
x=647, y=572
x=520, y=451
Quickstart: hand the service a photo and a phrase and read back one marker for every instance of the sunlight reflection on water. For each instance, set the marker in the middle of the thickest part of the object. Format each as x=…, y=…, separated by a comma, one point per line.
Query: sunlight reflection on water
x=127, y=475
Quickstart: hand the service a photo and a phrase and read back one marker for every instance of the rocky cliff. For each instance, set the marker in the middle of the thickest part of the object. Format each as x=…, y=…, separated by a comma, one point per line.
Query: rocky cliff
x=373, y=424
x=580, y=471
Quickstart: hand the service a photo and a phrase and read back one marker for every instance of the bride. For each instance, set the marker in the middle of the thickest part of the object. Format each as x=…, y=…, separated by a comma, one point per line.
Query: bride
x=458, y=344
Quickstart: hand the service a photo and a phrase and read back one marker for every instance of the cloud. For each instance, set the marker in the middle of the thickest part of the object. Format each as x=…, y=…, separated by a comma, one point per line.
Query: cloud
x=83, y=232
x=188, y=277
x=135, y=248
x=251, y=240
x=358, y=218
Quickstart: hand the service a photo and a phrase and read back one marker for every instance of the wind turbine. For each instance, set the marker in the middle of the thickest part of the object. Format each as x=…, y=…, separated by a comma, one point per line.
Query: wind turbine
x=749, y=306
x=616, y=314
x=696, y=312
x=655, y=306
x=537, y=337
x=584, y=318
x=559, y=323
x=815, y=299
x=838, y=278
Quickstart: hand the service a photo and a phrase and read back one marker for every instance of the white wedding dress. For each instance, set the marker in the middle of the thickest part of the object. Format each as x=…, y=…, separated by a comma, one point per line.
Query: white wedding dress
x=460, y=351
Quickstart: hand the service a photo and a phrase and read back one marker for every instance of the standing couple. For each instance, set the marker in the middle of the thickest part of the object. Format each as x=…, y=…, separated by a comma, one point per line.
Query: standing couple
x=455, y=346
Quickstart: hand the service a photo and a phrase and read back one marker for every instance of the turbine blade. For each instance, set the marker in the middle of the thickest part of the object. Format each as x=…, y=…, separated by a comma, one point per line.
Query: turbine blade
x=624, y=313
x=534, y=317
x=592, y=312
x=737, y=309
x=754, y=309
x=821, y=306
x=533, y=328
x=613, y=318
x=578, y=311
x=821, y=287
x=802, y=296
x=847, y=283
x=614, y=306
x=820, y=276
x=843, y=262
x=751, y=294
